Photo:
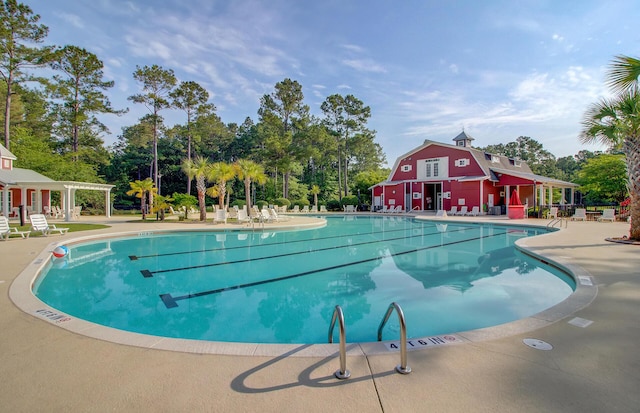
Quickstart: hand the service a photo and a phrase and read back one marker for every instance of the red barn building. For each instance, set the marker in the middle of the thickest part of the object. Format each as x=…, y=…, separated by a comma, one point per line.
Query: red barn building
x=437, y=176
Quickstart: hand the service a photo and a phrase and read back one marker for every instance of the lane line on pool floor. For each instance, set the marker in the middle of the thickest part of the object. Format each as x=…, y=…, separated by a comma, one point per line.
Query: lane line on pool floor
x=148, y=273
x=171, y=302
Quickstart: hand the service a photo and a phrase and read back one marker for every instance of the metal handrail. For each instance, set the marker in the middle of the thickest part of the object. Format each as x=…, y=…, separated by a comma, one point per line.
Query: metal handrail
x=558, y=220
x=343, y=373
x=401, y=368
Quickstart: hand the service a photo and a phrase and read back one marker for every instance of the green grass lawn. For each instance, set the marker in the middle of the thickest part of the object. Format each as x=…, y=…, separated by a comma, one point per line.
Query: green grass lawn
x=72, y=227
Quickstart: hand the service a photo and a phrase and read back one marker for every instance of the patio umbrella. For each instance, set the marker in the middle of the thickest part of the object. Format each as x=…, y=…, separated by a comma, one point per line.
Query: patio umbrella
x=515, y=198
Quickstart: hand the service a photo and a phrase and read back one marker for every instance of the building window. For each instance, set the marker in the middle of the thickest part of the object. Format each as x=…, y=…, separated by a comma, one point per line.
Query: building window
x=433, y=168
x=406, y=168
x=462, y=162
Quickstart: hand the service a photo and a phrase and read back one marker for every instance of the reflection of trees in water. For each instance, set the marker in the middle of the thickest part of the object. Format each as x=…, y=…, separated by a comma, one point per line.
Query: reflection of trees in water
x=287, y=308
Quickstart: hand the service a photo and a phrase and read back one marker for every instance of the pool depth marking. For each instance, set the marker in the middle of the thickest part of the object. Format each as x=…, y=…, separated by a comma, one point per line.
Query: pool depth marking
x=149, y=274
x=171, y=302
x=137, y=257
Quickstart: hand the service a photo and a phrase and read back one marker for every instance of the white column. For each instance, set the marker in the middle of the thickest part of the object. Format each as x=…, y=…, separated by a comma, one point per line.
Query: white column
x=550, y=195
x=507, y=196
x=107, y=202
x=541, y=194
x=5, y=201
x=67, y=205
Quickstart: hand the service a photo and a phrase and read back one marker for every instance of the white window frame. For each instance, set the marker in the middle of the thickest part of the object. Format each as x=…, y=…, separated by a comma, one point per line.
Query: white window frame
x=406, y=168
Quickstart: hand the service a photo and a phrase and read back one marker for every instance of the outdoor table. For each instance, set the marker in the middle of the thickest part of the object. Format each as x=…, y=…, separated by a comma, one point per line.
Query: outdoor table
x=592, y=215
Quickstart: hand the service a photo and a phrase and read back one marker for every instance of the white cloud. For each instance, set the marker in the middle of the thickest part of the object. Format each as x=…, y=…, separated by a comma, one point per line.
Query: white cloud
x=72, y=19
x=364, y=65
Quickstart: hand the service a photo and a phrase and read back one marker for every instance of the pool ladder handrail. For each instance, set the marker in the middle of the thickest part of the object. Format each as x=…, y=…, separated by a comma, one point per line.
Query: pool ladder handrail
x=558, y=220
x=401, y=368
x=342, y=373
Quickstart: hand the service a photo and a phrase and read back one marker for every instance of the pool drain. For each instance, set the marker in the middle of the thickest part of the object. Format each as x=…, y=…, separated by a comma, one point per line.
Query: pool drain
x=537, y=344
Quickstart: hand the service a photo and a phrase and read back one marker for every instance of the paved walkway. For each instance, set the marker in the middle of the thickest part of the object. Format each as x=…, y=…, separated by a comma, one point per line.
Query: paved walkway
x=594, y=368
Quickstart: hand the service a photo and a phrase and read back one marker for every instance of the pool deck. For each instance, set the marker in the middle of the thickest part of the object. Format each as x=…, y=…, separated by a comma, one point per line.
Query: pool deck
x=590, y=368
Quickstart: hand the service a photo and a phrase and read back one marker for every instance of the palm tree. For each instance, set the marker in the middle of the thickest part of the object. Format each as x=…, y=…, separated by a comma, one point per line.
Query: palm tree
x=221, y=172
x=623, y=74
x=616, y=123
x=140, y=189
x=200, y=169
x=247, y=171
x=315, y=190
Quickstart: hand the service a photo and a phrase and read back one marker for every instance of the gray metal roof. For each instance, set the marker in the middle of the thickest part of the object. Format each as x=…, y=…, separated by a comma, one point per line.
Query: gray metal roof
x=17, y=175
x=5, y=153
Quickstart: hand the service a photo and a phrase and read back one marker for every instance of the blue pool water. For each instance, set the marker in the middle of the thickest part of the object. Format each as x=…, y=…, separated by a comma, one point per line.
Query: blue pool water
x=282, y=287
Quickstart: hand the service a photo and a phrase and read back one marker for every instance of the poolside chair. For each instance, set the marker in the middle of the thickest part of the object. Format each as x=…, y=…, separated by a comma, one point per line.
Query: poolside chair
x=475, y=211
x=453, y=210
x=553, y=213
x=384, y=209
x=221, y=216
x=243, y=218
x=441, y=213
x=305, y=209
x=579, y=215
x=463, y=210
x=295, y=209
x=39, y=224
x=608, y=215
x=273, y=216
x=6, y=231
x=323, y=208
x=264, y=215
x=314, y=209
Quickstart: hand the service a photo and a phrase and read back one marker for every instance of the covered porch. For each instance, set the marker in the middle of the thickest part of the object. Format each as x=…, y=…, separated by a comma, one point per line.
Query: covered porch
x=35, y=196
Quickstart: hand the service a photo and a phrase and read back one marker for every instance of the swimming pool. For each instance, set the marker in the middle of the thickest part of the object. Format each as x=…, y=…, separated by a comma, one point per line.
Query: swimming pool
x=282, y=287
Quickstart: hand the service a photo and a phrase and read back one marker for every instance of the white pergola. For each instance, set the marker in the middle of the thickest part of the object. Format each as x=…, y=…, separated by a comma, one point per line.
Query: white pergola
x=26, y=180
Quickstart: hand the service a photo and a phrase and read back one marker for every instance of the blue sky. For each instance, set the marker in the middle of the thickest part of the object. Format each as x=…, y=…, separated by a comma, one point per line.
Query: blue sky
x=427, y=69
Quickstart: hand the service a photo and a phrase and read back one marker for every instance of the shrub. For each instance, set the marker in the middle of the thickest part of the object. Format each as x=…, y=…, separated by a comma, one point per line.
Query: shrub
x=281, y=202
x=262, y=204
x=239, y=203
x=350, y=200
x=301, y=202
x=334, y=205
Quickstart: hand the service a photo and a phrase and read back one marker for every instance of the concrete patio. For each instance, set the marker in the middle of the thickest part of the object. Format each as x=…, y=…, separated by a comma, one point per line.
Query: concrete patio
x=593, y=368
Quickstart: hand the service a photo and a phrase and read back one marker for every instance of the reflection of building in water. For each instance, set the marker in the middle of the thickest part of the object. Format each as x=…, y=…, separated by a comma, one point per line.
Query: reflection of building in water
x=78, y=257
x=453, y=268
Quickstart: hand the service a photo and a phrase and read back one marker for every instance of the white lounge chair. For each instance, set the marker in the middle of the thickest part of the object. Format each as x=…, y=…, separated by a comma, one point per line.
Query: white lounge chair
x=553, y=213
x=608, y=215
x=475, y=211
x=295, y=209
x=305, y=209
x=384, y=209
x=579, y=215
x=441, y=214
x=264, y=215
x=453, y=210
x=39, y=224
x=323, y=208
x=273, y=215
x=243, y=217
x=314, y=209
x=6, y=231
x=221, y=216
x=463, y=210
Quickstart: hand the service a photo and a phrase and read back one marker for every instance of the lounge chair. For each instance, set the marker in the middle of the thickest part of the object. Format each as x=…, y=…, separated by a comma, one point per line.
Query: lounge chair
x=453, y=210
x=6, y=231
x=384, y=209
x=323, y=208
x=221, y=216
x=441, y=213
x=273, y=216
x=608, y=215
x=475, y=211
x=579, y=215
x=305, y=209
x=39, y=224
x=314, y=209
x=553, y=213
x=295, y=209
x=463, y=210
x=264, y=215
x=243, y=217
